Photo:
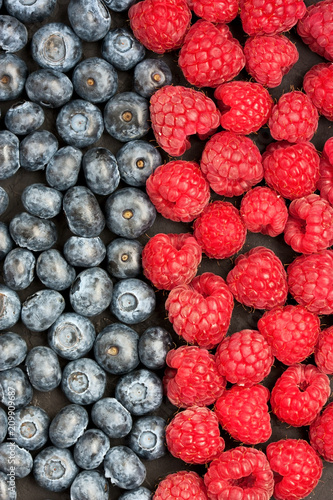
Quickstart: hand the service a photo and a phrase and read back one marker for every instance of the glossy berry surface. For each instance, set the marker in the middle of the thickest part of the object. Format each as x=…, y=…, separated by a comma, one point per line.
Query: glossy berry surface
x=109, y=415
x=91, y=448
x=133, y=301
x=54, y=468
x=122, y=49
x=95, y=80
x=140, y=391
x=124, y=258
x=68, y=425
x=136, y=161
x=147, y=437
x=124, y=468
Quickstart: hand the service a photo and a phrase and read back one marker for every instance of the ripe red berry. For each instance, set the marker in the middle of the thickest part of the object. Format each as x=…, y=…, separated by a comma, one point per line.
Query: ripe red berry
x=317, y=84
x=325, y=182
x=321, y=433
x=315, y=28
x=181, y=485
x=323, y=352
x=215, y=11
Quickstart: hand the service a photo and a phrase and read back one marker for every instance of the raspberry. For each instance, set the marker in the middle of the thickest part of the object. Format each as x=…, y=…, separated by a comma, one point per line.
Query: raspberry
x=210, y=55
x=192, y=378
x=317, y=84
x=291, y=169
x=245, y=358
x=309, y=227
x=177, y=112
x=321, y=433
x=258, y=279
x=215, y=11
x=169, y=260
x=244, y=106
x=201, y=311
x=270, y=17
x=240, y=473
x=299, y=394
x=269, y=58
x=160, y=25
x=243, y=413
x=325, y=182
x=178, y=190
x=315, y=28
x=323, y=352
x=291, y=331
x=220, y=230
x=297, y=468
x=181, y=485
x=193, y=435
x=231, y=163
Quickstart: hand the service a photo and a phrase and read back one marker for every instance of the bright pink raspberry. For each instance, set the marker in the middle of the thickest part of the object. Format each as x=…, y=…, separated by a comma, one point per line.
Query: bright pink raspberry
x=323, y=351
x=316, y=28
x=325, y=181
x=181, y=485
x=215, y=11
x=317, y=84
x=201, y=311
x=321, y=433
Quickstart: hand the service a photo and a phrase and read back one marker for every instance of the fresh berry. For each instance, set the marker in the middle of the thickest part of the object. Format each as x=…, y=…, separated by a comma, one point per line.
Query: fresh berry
x=133, y=301
x=215, y=11
x=181, y=485
x=321, y=433
x=124, y=258
x=317, y=84
x=124, y=468
x=153, y=346
x=323, y=351
x=325, y=181
x=149, y=76
x=121, y=49
x=140, y=391
x=147, y=437
x=315, y=28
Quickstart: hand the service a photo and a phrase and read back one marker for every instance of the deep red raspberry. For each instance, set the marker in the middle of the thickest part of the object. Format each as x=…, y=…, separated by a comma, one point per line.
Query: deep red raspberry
x=315, y=28
x=231, y=163
x=192, y=378
x=210, y=55
x=258, y=279
x=269, y=58
x=291, y=331
x=201, y=311
x=291, y=169
x=321, y=433
x=296, y=466
x=299, y=394
x=178, y=190
x=160, y=25
x=243, y=413
x=215, y=11
x=325, y=182
x=181, y=485
x=177, y=112
x=193, y=435
x=317, y=84
x=245, y=106
x=323, y=352
x=244, y=358
x=220, y=230
x=241, y=473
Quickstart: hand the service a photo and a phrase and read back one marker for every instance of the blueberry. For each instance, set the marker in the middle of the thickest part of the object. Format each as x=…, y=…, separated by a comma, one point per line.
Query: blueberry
x=12, y=455
x=15, y=389
x=30, y=11
x=63, y=169
x=140, y=493
x=54, y=468
x=68, y=425
x=49, y=88
x=133, y=301
x=42, y=309
x=31, y=426
x=119, y=5
x=129, y=212
x=83, y=212
x=140, y=391
x=116, y=349
x=100, y=170
x=3, y=426
x=126, y=116
x=83, y=381
x=6, y=242
x=137, y=160
x=13, y=74
x=84, y=252
x=151, y=75
x=89, y=485
x=43, y=368
x=19, y=268
x=13, y=34
x=10, y=307
x=7, y=487
x=111, y=417
x=124, y=258
x=147, y=437
x=95, y=80
x=32, y=232
x=154, y=345
x=122, y=49
x=124, y=468
x=90, y=19
x=37, y=149
x=24, y=117
x=4, y=200
x=9, y=154
x=54, y=271
x=71, y=336
x=42, y=201
x=13, y=350
x=90, y=449
x=90, y=294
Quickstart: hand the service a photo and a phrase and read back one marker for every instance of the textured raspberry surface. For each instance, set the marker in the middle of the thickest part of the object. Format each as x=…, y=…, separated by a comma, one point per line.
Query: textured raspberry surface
x=291, y=169
x=244, y=358
x=181, y=485
x=297, y=467
x=315, y=28
x=321, y=433
x=176, y=112
x=215, y=11
x=294, y=118
x=243, y=413
x=160, y=25
x=231, y=163
x=178, y=190
x=192, y=378
x=245, y=106
x=193, y=435
x=201, y=311
x=220, y=230
x=317, y=84
x=299, y=394
x=169, y=260
x=325, y=182
x=241, y=473
x=291, y=331
x=323, y=352
x=258, y=279
x=210, y=55
x=269, y=58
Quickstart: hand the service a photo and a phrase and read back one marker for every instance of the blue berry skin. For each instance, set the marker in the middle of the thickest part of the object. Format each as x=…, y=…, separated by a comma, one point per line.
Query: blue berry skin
x=140, y=493
x=129, y=212
x=124, y=468
x=7, y=487
x=95, y=80
x=137, y=160
x=63, y=169
x=140, y=391
x=133, y=301
x=10, y=307
x=6, y=242
x=101, y=171
x=116, y=349
x=37, y=149
x=9, y=154
x=54, y=271
x=31, y=427
x=119, y=5
x=42, y=201
x=30, y=12
x=147, y=437
x=71, y=336
x=4, y=200
x=68, y=425
x=154, y=345
x=15, y=388
x=43, y=368
x=13, y=74
x=84, y=252
x=54, y=468
x=89, y=485
x=13, y=34
x=90, y=449
x=3, y=426
x=122, y=49
x=42, y=309
x=126, y=116
x=49, y=88
x=56, y=46
x=24, y=117
x=11, y=454
x=151, y=75
x=83, y=212
x=112, y=418
x=83, y=381
x=124, y=258
x=90, y=19
x=32, y=232
x=19, y=268
x=13, y=350
x=90, y=294
x=80, y=123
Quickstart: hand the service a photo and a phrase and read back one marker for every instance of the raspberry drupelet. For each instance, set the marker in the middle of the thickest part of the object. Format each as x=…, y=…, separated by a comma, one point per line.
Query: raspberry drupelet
x=325, y=182
x=321, y=433
x=323, y=351
x=215, y=11
x=315, y=28
x=317, y=84
x=181, y=485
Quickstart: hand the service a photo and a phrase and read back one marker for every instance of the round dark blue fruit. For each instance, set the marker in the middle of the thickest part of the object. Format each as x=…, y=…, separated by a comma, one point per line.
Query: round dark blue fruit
x=10, y=307
x=133, y=301
x=40, y=310
x=3, y=425
x=23, y=459
x=30, y=11
x=140, y=493
x=83, y=381
x=90, y=19
x=43, y=368
x=9, y=154
x=15, y=388
x=126, y=116
x=24, y=117
x=13, y=350
x=83, y=212
x=19, y=268
x=68, y=425
x=84, y=252
x=140, y=391
x=13, y=74
x=124, y=258
x=89, y=485
x=124, y=468
x=63, y=169
x=101, y=171
x=151, y=75
x=137, y=160
x=54, y=271
x=109, y=415
x=37, y=149
x=147, y=437
x=13, y=34
x=4, y=200
x=154, y=345
x=91, y=292
x=42, y=201
x=49, y=87
x=91, y=448
x=122, y=49
x=32, y=232
x=54, y=468
x=95, y=80
x=6, y=242
x=31, y=427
